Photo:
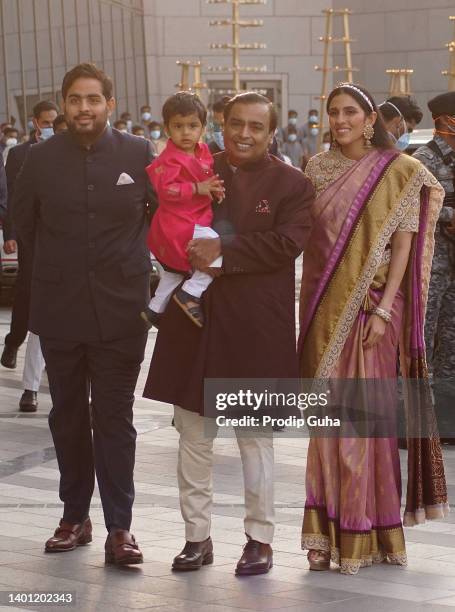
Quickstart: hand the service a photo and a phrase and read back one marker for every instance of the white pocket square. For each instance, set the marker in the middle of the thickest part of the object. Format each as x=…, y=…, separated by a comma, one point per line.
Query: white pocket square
x=124, y=179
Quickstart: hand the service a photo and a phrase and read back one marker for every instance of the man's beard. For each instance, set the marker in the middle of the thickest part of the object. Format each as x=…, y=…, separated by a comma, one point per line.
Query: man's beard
x=86, y=136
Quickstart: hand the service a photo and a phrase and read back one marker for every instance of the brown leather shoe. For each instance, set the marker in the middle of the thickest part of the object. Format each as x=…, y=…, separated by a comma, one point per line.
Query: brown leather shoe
x=193, y=556
x=121, y=548
x=257, y=558
x=69, y=536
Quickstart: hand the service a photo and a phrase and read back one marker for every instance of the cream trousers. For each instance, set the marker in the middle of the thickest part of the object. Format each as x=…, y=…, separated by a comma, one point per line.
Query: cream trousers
x=194, y=473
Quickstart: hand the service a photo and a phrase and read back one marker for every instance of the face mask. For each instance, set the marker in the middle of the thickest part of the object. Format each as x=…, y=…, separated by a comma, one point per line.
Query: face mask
x=292, y=137
x=11, y=142
x=450, y=127
x=155, y=134
x=293, y=121
x=129, y=125
x=219, y=139
x=314, y=131
x=403, y=142
x=124, y=131
x=326, y=146
x=46, y=133
x=31, y=125
x=146, y=116
x=313, y=119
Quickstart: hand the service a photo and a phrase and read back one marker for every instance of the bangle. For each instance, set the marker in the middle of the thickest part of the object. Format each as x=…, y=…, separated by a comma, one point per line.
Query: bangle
x=383, y=314
x=197, y=188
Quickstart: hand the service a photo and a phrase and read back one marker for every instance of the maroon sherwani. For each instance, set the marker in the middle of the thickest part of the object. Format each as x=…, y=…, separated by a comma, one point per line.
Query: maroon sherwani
x=250, y=310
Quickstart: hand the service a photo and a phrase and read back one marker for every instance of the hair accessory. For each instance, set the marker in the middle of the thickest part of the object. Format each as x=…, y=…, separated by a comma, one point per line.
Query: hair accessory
x=368, y=133
x=383, y=314
x=400, y=114
x=360, y=92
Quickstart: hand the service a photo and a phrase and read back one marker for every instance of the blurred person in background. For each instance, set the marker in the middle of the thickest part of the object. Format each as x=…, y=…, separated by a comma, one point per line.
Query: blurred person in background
x=146, y=117
x=215, y=137
x=9, y=139
x=126, y=117
x=3, y=199
x=120, y=125
x=326, y=141
x=59, y=125
x=138, y=130
x=292, y=148
x=310, y=133
x=439, y=157
x=293, y=121
x=157, y=138
x=44, y=115
x=395, y=124
x=408, y=107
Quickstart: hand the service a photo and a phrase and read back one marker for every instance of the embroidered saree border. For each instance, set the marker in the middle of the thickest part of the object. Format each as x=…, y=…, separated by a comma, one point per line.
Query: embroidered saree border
x=352, y=549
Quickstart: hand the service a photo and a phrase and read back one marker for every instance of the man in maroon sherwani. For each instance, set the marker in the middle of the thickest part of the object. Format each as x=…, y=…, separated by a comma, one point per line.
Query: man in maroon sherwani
x=249, y=330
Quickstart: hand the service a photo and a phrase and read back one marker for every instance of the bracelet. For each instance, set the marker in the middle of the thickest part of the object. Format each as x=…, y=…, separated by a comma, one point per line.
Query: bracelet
x=383, y=314
x=197, y=188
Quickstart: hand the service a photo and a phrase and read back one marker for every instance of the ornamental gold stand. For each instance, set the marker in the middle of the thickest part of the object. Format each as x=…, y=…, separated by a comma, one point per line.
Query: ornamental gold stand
x=236, y=46
x=400, y=81
x=184, y=85
x=328, y=39
x=451, y=71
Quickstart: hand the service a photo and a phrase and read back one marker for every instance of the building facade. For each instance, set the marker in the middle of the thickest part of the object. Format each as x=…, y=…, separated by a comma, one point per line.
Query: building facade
x=139, y=41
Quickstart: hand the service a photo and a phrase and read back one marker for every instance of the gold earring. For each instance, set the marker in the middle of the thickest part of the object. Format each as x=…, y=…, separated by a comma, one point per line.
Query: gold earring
x=334, y=145
x=368, y=133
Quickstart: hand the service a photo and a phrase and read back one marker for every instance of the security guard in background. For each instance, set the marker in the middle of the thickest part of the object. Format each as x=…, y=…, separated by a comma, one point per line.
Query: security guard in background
x=439, y=157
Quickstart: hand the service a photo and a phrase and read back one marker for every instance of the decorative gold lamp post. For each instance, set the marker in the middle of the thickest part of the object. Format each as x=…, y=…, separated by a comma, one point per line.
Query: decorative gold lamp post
x=328, y=39
x=236, y=46
x=184, y=85
x=451, y=71
x=400, y=81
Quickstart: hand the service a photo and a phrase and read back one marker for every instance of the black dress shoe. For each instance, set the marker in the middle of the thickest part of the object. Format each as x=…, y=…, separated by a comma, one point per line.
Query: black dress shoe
x=193, y=556
x=28, y=401
x=9, y=357
x=257, y=558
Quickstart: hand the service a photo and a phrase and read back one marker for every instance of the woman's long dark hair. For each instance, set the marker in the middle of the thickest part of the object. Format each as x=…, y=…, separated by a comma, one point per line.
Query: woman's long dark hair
x=381, y=138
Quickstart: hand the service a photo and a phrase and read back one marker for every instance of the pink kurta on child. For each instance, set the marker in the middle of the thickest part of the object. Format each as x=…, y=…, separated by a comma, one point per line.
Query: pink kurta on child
x=172, y=175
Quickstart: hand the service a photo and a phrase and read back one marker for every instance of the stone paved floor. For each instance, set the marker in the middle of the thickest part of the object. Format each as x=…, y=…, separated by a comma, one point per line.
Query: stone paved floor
x=30, y=509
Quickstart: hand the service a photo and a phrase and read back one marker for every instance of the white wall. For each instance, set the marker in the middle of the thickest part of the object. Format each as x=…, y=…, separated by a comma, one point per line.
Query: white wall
x=179, y=29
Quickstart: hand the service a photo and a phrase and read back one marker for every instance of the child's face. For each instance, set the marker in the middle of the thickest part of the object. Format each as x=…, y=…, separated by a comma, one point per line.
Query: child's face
x=185, y=131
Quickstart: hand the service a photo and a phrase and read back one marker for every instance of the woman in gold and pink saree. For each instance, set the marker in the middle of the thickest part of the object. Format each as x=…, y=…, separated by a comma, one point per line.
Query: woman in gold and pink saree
x=353, y=485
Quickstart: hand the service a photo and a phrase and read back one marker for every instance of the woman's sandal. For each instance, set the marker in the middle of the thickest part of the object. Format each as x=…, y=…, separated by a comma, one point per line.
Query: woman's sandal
x=319, y=560
x=193, y=312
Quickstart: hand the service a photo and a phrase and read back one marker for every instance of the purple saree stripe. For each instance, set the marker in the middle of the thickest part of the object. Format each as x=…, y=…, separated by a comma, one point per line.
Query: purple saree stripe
x=341, y=243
